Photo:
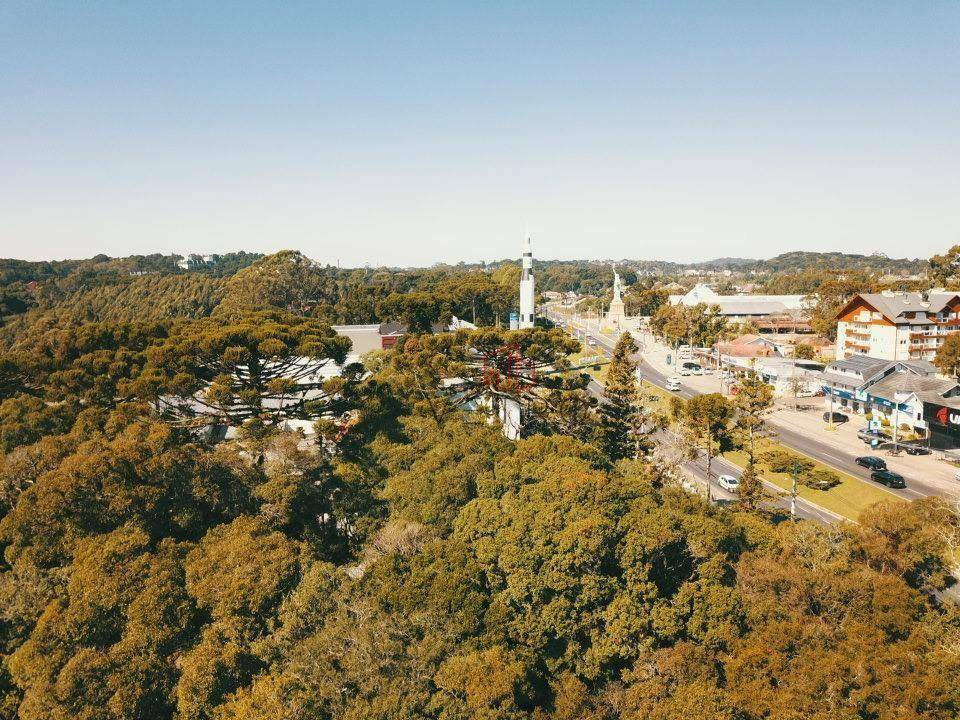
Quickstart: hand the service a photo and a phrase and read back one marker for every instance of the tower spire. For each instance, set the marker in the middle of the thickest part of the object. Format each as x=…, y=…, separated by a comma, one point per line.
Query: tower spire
x=527, y=287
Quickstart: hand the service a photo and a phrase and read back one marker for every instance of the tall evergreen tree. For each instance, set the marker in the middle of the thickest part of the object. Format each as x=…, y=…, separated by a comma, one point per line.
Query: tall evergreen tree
x=621, y=416
x=753, y=403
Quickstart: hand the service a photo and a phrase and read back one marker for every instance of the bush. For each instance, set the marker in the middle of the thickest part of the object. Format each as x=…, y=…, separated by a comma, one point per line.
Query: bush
x=782, y=461
x=906, y=427
x=821, y=479
x=885, y=421
x=868, y=416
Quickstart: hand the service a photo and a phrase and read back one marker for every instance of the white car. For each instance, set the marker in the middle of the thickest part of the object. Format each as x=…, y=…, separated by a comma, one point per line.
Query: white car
x=673, y=383
x=728, y=482
x=591, y=342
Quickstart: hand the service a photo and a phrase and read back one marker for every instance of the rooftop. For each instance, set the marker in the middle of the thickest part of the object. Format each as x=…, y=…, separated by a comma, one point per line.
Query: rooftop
x=895, y=306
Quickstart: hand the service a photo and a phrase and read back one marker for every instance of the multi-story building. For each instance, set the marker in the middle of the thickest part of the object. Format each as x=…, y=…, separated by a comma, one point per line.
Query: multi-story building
x=897, y=326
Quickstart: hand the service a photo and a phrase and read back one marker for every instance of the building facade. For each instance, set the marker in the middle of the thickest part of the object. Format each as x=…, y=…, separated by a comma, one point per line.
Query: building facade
x=897, y=326
x=778, y=313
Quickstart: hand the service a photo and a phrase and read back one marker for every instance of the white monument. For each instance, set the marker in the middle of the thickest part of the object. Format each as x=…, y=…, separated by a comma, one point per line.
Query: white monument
x=616, y=318
x=527, y=291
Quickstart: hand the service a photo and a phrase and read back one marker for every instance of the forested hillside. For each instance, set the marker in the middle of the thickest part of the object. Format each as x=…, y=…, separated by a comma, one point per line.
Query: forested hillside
x=409, y=561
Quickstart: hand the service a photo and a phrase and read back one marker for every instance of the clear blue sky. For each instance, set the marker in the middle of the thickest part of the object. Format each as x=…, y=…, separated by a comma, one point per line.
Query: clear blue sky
x=408, y=133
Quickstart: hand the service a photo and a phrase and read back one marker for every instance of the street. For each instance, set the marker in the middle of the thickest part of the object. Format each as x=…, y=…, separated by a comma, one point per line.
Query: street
x=697, y=470
x=834, y=457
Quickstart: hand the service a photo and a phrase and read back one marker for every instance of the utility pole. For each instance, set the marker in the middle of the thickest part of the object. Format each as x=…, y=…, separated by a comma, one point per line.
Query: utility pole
x=793, y=493
x=896, y=426
x=709, y=481
x=830, y=421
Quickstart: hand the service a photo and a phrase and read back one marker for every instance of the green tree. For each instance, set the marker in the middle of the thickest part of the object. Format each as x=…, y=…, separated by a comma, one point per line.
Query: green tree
x=753, y=402
x=947, y=359
x=621, y=416
x=945, y=268
x=707, y=418
x=260, y=367
x=803, y=351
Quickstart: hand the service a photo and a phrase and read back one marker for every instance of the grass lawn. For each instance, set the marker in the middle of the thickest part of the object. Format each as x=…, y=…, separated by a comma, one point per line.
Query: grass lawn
x=598, y=373
x=848, y=498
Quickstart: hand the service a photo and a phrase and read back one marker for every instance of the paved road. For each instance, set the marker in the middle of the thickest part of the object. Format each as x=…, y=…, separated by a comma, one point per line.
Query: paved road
x=697, y=469
x=834, y=457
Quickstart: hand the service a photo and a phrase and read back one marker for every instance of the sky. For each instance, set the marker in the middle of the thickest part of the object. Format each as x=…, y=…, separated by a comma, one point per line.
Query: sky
x=408, y=133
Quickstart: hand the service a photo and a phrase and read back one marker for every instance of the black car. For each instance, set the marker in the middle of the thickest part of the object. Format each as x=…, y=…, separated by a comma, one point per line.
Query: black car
x=916, y=449
x=888, y=478
x=872, y=462
x=837, y=417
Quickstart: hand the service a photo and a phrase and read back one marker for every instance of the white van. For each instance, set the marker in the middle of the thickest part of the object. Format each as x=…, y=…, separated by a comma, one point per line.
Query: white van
x=673, y=383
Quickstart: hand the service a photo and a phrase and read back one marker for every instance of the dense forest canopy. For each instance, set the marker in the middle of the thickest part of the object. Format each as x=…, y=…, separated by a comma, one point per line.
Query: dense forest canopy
x=412, y=562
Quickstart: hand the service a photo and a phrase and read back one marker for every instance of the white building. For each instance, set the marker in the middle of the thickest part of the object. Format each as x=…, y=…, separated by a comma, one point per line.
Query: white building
x=897, y=326
x=702, y=293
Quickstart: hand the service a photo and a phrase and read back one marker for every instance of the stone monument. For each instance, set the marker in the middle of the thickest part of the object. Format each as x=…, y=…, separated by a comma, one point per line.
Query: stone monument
x=616, y=317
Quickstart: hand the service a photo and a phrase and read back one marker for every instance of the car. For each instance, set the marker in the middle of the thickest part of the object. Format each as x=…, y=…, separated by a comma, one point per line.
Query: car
x=837, y=417
x=868, y=436
x=691, y=368
x=591, y=341
x=673, y=383
x=888, y=478
x=728, y=482
x=871, y=462
x=916, y=449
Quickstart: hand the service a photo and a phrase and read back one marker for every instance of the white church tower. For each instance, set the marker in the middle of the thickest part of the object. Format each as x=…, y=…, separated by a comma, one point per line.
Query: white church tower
x=527, y=291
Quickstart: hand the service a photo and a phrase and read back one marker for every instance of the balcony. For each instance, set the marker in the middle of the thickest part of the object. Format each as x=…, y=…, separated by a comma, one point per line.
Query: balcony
x=857, y=345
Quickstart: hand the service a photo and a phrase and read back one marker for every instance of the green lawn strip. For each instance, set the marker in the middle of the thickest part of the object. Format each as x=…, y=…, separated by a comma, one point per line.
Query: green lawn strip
x=577, y=359
x=848, y=499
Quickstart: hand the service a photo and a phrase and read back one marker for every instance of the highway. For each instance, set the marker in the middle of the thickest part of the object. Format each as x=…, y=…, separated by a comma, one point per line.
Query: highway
x=827, y=454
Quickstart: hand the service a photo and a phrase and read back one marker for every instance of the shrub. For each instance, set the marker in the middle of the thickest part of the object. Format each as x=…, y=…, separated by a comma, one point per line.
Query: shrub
x=868, y=416
x=821, y=479
x=905, y=427
x=885, y=421
x=782, y=461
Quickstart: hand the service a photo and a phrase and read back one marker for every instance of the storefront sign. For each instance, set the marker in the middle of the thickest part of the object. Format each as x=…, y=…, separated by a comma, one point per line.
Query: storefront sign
x=941, y=415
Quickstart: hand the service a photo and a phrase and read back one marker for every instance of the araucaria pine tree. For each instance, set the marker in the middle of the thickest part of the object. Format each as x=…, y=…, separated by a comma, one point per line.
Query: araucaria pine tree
x=621, y=415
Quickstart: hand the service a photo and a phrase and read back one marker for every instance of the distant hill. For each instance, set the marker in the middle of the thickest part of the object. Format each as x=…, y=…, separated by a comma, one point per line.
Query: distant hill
x=725, y=263
x=803, y=260
x=800, y=260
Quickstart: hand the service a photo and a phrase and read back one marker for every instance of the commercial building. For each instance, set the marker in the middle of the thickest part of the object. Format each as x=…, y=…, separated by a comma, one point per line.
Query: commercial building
x=897, y=326
x=778, y=313
x=906, y=395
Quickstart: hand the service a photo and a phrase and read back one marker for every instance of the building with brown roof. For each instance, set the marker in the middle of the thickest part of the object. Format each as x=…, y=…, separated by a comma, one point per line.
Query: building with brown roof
x=897, y=326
